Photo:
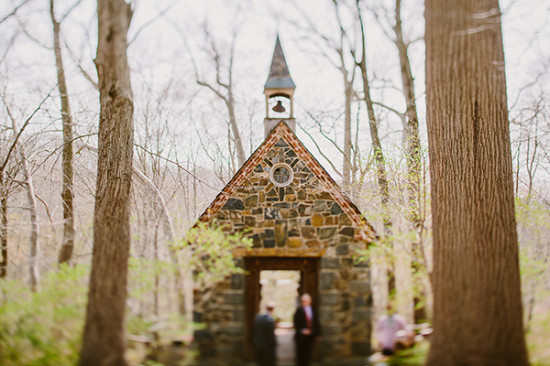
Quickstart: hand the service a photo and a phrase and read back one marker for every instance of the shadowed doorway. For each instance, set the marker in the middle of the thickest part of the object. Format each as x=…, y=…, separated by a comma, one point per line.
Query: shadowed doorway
x=281, y=287
x=303, y=277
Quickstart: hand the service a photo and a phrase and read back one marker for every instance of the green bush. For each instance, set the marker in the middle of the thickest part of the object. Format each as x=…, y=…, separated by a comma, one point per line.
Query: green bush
x=210, y=249
x=45, y=327
x=414, y=356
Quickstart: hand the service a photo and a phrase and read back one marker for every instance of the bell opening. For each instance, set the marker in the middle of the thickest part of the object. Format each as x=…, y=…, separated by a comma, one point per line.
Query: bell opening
x=279, y=107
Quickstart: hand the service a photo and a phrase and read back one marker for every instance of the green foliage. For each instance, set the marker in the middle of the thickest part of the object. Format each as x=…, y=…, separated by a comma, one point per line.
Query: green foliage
x=211, y=256
x=538, y=341
x=533, y=270
x=151, y=363
x=414, y=356
x=533, y=229
x=142, y=274
x=532, y=214
x=43, y=328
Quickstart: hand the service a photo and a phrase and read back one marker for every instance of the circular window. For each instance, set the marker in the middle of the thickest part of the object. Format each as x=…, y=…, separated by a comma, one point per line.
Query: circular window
x=281, y=175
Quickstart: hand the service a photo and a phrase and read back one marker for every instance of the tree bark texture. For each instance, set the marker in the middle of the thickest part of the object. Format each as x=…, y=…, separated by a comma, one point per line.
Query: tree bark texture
x=66, y=252
x=241, y=157
x=103, y=339
x=346, y=164
x=34, y=273
x=476, y=283
x=4, y=232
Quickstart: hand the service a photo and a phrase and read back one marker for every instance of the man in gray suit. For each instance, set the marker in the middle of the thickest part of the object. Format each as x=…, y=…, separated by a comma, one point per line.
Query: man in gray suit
x=265, y=343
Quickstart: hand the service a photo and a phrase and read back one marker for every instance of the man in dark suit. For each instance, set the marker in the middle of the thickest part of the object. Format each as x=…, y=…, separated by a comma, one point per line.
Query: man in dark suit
x=307, y=328
x=265, y=343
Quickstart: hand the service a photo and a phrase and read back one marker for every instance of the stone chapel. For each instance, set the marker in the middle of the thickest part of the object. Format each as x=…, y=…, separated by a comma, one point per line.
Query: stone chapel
x=298, y=219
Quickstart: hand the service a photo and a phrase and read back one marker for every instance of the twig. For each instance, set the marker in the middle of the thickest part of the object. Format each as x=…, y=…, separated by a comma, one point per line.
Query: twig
x=22, y=128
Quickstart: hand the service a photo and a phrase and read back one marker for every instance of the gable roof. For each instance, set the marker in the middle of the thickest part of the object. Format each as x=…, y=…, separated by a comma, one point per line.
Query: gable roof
x=282, y=131
x=279, y=76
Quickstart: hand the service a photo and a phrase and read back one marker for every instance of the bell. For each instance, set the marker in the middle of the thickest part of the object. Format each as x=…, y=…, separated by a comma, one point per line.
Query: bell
x=279, y=108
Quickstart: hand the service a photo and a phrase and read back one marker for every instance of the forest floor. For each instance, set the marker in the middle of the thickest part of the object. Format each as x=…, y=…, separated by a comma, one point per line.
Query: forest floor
x=538, y=340
x=414, y=356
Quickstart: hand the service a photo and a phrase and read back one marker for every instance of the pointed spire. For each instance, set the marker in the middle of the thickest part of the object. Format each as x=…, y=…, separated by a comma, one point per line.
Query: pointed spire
x=279, y=85
x=279, y=76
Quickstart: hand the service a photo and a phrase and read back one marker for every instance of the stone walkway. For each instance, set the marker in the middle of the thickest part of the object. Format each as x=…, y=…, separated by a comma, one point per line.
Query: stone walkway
x=173, y=355
x=285, y=346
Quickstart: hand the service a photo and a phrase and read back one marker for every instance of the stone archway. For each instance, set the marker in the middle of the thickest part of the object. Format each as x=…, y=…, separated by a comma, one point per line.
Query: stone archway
x=309, y=283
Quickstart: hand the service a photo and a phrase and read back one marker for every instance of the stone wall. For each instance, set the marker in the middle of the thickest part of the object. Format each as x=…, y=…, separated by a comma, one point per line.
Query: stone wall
x=301, y=215
x=300, y=219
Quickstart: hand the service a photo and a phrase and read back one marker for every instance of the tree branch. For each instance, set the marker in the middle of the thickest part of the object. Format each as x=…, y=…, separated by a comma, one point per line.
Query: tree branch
x=18, y=134
x=321, y=151
x=152, y=20
x=13, y=12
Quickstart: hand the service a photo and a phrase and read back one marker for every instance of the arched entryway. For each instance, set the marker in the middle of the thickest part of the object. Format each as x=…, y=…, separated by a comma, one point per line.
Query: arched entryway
x=309, y=283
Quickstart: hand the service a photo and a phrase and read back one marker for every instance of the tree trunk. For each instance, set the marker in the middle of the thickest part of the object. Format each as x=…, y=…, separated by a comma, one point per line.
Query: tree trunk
x=346, y=165
x=4, y=232
x=103, y=339
x=477, y=297
x=412, y=151
x=34, y=243
x=412, y=139
x=235, y=128
x=66, y=252
x=378, y=156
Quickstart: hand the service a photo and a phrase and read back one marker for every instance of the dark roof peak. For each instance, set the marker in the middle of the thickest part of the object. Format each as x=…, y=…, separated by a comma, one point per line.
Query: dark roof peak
x=282, y=134
x=279, y=76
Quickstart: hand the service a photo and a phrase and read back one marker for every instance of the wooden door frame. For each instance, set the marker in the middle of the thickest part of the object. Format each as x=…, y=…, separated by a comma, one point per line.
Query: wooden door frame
x=309, y=283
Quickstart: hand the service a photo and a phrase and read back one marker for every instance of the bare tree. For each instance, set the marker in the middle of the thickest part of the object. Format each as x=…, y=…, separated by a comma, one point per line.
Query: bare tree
x=35, y=228
x=34, y=246
x=476, y=282
x=531, y=122
x=414, y=161
x=223, y=87
x=379, y=160
x=4, y=231
x=66, y=251
x=103, y=338
x=338, y=55
x=8, y=171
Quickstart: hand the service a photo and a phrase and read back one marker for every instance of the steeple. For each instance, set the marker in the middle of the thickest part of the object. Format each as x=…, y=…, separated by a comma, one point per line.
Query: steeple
x=278, y=90
x=279, y=76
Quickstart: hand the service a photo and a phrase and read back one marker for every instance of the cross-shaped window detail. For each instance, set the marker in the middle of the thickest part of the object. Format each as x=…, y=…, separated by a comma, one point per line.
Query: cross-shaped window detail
x=281, y=175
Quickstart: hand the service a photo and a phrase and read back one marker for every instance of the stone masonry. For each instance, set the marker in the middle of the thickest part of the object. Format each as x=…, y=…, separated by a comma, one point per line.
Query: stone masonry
x=310, y=217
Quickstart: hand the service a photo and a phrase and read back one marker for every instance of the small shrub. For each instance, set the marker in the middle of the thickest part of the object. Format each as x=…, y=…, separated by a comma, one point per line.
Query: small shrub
x=45, y=327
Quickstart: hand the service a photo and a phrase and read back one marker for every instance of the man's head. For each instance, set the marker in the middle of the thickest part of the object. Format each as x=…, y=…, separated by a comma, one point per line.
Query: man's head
x=269, y=306
x=305, y=300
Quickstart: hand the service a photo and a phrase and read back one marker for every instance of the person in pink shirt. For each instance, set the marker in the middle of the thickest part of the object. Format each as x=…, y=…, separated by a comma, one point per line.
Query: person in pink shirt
x=387, y=328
